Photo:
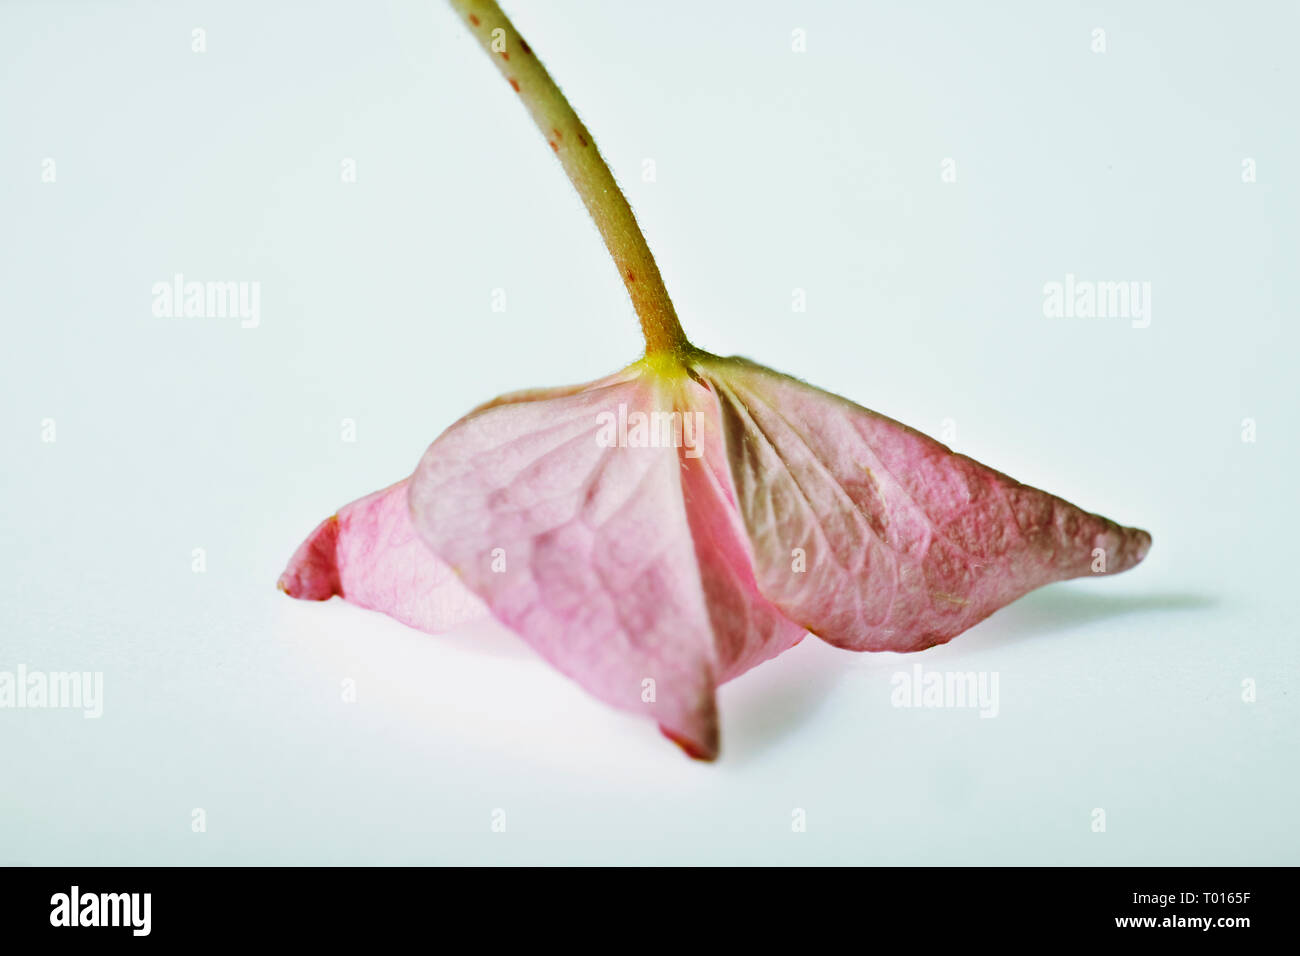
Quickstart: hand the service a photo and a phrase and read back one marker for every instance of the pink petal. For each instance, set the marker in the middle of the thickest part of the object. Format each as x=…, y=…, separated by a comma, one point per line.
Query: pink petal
x=625, y=567
x=907, y=544
x=369, y=555
x=747, y=628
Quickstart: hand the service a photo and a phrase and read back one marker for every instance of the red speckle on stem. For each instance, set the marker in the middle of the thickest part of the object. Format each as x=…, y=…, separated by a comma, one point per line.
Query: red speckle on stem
x=553, y=146
x=557, y=133
x=630, y=276
x=582, y=140
x=474, y=20
x=514, y=83
x=523, y=45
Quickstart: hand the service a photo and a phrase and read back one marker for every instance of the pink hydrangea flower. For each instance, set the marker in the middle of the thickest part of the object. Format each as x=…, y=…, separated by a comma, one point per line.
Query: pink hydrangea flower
x=660, y=531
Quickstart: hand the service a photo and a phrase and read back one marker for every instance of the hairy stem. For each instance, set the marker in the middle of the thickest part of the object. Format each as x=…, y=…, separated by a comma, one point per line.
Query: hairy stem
x=582, y=162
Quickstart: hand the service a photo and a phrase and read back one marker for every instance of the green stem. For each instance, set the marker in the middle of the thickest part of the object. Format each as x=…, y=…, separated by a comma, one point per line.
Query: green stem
x=586, y=169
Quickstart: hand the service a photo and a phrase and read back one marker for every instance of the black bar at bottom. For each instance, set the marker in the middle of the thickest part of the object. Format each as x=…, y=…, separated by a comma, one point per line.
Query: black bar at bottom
x=90, y=905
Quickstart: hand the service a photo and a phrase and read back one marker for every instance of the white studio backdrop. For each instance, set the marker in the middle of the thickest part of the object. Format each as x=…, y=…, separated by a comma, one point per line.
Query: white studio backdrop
x=871, y=196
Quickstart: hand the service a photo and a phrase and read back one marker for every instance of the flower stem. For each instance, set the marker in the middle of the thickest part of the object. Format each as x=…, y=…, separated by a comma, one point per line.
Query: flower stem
x=582, y=162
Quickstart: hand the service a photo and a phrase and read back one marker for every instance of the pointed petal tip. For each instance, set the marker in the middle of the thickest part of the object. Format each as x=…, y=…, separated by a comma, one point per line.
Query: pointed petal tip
x=1130, y=548
x=1143, y=539
x=705, y=752
x=312, y=573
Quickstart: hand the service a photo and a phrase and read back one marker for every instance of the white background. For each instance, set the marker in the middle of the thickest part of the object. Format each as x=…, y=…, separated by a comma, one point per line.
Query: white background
x=775, y=170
